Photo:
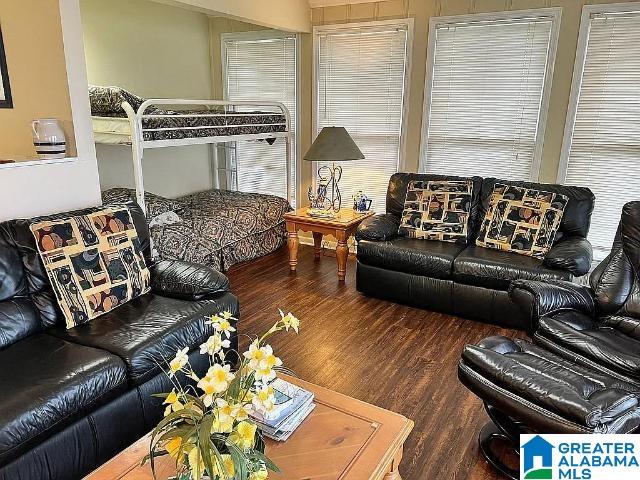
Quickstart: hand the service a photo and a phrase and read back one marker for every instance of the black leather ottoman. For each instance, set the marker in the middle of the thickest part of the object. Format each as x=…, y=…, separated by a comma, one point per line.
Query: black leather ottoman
x=544, y=392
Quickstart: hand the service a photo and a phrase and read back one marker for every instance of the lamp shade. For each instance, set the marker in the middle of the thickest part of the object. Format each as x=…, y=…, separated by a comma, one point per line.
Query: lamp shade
x=333, y=144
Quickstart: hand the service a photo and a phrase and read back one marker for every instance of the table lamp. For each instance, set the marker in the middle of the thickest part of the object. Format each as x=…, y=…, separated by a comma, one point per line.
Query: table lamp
x=333, y=144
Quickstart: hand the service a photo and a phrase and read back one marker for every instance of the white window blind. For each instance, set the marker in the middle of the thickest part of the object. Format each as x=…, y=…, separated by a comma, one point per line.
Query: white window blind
x=484, y=99
x=259, y=67
x=360, y=85
x=604, y=148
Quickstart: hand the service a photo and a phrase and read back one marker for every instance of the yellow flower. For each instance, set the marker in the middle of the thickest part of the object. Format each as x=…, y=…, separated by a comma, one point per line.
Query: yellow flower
x=290, y=321
x=214, y=344
x=173, y=403
x=196, y=463
x=264, y=399
x=261, y=474
x=227, y=470
x=254, y=355
x=244, y=435
x=222, y=426
x=265, y=374
x=241, y=411
x=223, y=409
x=174, y=447
x=215, y=381
x=179, y=361
x=227, y=315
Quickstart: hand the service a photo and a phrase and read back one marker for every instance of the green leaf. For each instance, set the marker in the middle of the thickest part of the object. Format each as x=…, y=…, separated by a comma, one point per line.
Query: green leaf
x=175, y=416
x=266, y=460
x=240, y=461
x=204, y=440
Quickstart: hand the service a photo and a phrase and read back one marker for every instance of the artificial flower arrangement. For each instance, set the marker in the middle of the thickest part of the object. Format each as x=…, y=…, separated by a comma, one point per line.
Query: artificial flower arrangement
x=207, y=429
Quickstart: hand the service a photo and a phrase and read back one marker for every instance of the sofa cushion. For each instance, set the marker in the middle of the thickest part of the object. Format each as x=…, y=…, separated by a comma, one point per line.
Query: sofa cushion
x=437, y=210
x=577, y=214
x=488, y=268
x=594, y=344
x=409, y=255
x=148, y=331
x=521, y=220
x=94, y=262
x=47, y=384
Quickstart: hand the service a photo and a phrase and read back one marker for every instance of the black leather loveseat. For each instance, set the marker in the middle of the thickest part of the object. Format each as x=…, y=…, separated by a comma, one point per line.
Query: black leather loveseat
x=581, y=374
x=71, y=399
x=465, y=280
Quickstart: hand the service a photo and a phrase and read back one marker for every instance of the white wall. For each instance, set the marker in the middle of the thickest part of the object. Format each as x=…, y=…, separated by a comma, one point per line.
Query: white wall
x=153, y=50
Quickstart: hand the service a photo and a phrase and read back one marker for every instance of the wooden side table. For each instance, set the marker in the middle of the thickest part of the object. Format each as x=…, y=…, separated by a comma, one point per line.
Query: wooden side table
x=342, y=226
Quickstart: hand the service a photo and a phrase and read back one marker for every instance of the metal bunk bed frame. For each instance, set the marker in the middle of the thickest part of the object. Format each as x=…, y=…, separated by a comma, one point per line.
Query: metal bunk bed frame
x=139, y=144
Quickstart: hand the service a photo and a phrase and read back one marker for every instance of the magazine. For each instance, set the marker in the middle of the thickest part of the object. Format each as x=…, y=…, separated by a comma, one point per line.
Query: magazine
x=288, y=399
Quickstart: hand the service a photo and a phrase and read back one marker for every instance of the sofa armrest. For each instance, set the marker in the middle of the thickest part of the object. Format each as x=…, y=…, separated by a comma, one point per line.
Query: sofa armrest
x=537, y=299
x=378, y=228
x=574, y=254
x=186, y=280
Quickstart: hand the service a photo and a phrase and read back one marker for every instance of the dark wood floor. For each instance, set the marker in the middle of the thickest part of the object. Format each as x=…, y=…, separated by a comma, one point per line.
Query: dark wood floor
x=393, y=356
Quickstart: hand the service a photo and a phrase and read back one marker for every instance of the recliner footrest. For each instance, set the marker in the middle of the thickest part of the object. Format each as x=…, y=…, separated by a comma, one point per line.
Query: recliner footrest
x=548, y=393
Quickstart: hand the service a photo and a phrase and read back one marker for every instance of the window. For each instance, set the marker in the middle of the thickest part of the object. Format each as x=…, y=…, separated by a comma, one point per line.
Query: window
x=602, y=138
x=262, y=66
x=360, y=78
x=488, y=80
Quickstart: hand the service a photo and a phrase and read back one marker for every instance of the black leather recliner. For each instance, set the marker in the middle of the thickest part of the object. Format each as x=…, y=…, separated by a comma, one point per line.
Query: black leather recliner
x=582, y=374
x=465, y=280
x=71, y=399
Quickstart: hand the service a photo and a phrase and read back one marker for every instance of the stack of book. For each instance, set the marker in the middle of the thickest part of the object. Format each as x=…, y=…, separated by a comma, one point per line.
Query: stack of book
x=292, y=405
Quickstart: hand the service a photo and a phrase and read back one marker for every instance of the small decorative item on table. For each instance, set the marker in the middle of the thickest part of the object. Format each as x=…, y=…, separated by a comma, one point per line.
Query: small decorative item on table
x=361, y=203
x=208, y=429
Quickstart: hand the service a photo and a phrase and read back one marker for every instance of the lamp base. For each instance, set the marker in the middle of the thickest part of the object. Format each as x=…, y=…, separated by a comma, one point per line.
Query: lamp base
x=329, y=178
x=321, y=213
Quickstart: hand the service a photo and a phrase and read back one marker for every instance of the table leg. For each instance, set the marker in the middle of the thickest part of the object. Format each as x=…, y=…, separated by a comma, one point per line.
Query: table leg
x=342, y=252
x=393, y=473
x=317, y=244
x=293, y=243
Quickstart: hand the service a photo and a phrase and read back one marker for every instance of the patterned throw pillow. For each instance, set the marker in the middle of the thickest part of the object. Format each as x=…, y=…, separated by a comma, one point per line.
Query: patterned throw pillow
x=437, y=210
x=522, y=220
x=94, y=262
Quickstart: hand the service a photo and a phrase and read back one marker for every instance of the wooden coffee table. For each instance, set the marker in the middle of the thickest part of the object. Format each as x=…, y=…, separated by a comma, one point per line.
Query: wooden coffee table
x=341, y=227
x=343, y=438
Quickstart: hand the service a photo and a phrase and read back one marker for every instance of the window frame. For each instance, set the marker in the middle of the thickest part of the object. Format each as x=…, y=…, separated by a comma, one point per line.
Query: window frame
x=555, y=13
x=266, y=34
x=578, y=72
x=407, y=23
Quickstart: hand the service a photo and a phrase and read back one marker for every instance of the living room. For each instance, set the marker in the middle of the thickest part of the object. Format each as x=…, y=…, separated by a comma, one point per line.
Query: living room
x=319, y=238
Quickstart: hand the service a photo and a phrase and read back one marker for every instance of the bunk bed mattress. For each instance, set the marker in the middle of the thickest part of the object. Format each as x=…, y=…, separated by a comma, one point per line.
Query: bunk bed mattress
x=220, y=228
x=217, y=228
x=111, y=130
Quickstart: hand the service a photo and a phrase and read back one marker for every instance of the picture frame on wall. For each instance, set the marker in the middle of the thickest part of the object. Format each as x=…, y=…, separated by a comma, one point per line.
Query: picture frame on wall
x=5, y=89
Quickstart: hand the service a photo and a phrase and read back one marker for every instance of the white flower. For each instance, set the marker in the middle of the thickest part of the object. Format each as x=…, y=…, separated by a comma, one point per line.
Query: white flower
x=179, y=361
x=290, y=321
x=214, y=344
x=264, y=399
x=224, y=326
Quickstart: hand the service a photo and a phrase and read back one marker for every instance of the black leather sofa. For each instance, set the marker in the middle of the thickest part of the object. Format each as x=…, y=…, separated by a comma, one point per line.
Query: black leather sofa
x=465, y=280
x=71, y=399
x=581, y=374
